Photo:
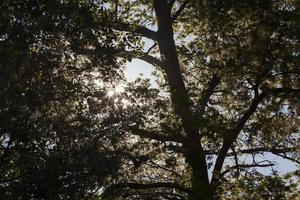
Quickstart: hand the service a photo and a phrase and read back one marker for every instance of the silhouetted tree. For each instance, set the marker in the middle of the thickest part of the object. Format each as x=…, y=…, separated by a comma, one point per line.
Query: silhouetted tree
x=227, y=97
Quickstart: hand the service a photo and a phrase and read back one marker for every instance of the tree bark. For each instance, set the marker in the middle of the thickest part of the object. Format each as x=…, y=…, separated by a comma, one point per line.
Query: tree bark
x=194, y=153
x=169, y=57
x=201, y=188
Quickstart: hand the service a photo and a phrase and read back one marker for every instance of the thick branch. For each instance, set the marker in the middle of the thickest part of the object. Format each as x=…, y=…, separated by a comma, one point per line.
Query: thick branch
x=136, y=29
x=206, y=95
x=228, y=141
x=140, y=55
x=242, y=121
x=151, y=60
x=145, y=186
x=274, y=91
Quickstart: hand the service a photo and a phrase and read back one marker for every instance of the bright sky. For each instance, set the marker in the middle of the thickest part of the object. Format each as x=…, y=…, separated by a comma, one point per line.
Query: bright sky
x=138, y=68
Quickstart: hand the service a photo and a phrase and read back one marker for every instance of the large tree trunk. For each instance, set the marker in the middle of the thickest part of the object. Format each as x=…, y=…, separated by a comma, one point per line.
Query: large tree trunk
x=201, y=189
x=202, y=194
x=173, y=74
x=180, y=99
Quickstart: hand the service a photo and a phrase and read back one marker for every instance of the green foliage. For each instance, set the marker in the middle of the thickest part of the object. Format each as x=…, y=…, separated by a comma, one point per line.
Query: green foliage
x=50, y=143
x=72, y=127
x=262, y=187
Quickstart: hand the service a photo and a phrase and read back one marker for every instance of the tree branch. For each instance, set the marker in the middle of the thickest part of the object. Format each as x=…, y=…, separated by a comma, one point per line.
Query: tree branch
x=136, y=29
x=246, y=166
x=255, y=150
x=242, y=121
x=180, y=10
x=151, y=60
x=140, y=55
x=149, y=50
x=206, y=95
x=286, y=157
x=116, y=9
x=236, y=161
x=144, y=186
x=262, y=149
x=230, y=138
x=157, y=136
x=284, y=91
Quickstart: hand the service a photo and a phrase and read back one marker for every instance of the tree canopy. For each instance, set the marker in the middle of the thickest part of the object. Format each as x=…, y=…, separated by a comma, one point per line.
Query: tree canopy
x=227, y=99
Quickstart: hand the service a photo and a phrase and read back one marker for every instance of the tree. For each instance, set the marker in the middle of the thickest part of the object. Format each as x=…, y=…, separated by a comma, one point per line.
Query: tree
x=233, y=81
x=228, y=89
x=52, y=147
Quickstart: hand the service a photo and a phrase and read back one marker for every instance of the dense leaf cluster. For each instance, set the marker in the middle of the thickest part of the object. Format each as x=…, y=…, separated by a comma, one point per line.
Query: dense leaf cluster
x=225, y=106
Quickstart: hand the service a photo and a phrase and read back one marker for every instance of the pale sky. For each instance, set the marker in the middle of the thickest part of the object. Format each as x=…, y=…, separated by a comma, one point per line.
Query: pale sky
x=138, y=68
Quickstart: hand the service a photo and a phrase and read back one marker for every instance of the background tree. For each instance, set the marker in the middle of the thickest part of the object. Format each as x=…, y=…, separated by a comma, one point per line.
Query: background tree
x=52, y=146
x=228, y=90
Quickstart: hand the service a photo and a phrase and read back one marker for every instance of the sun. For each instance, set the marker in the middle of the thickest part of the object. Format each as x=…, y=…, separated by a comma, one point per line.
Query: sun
x=110, y=93
x=119, y=89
